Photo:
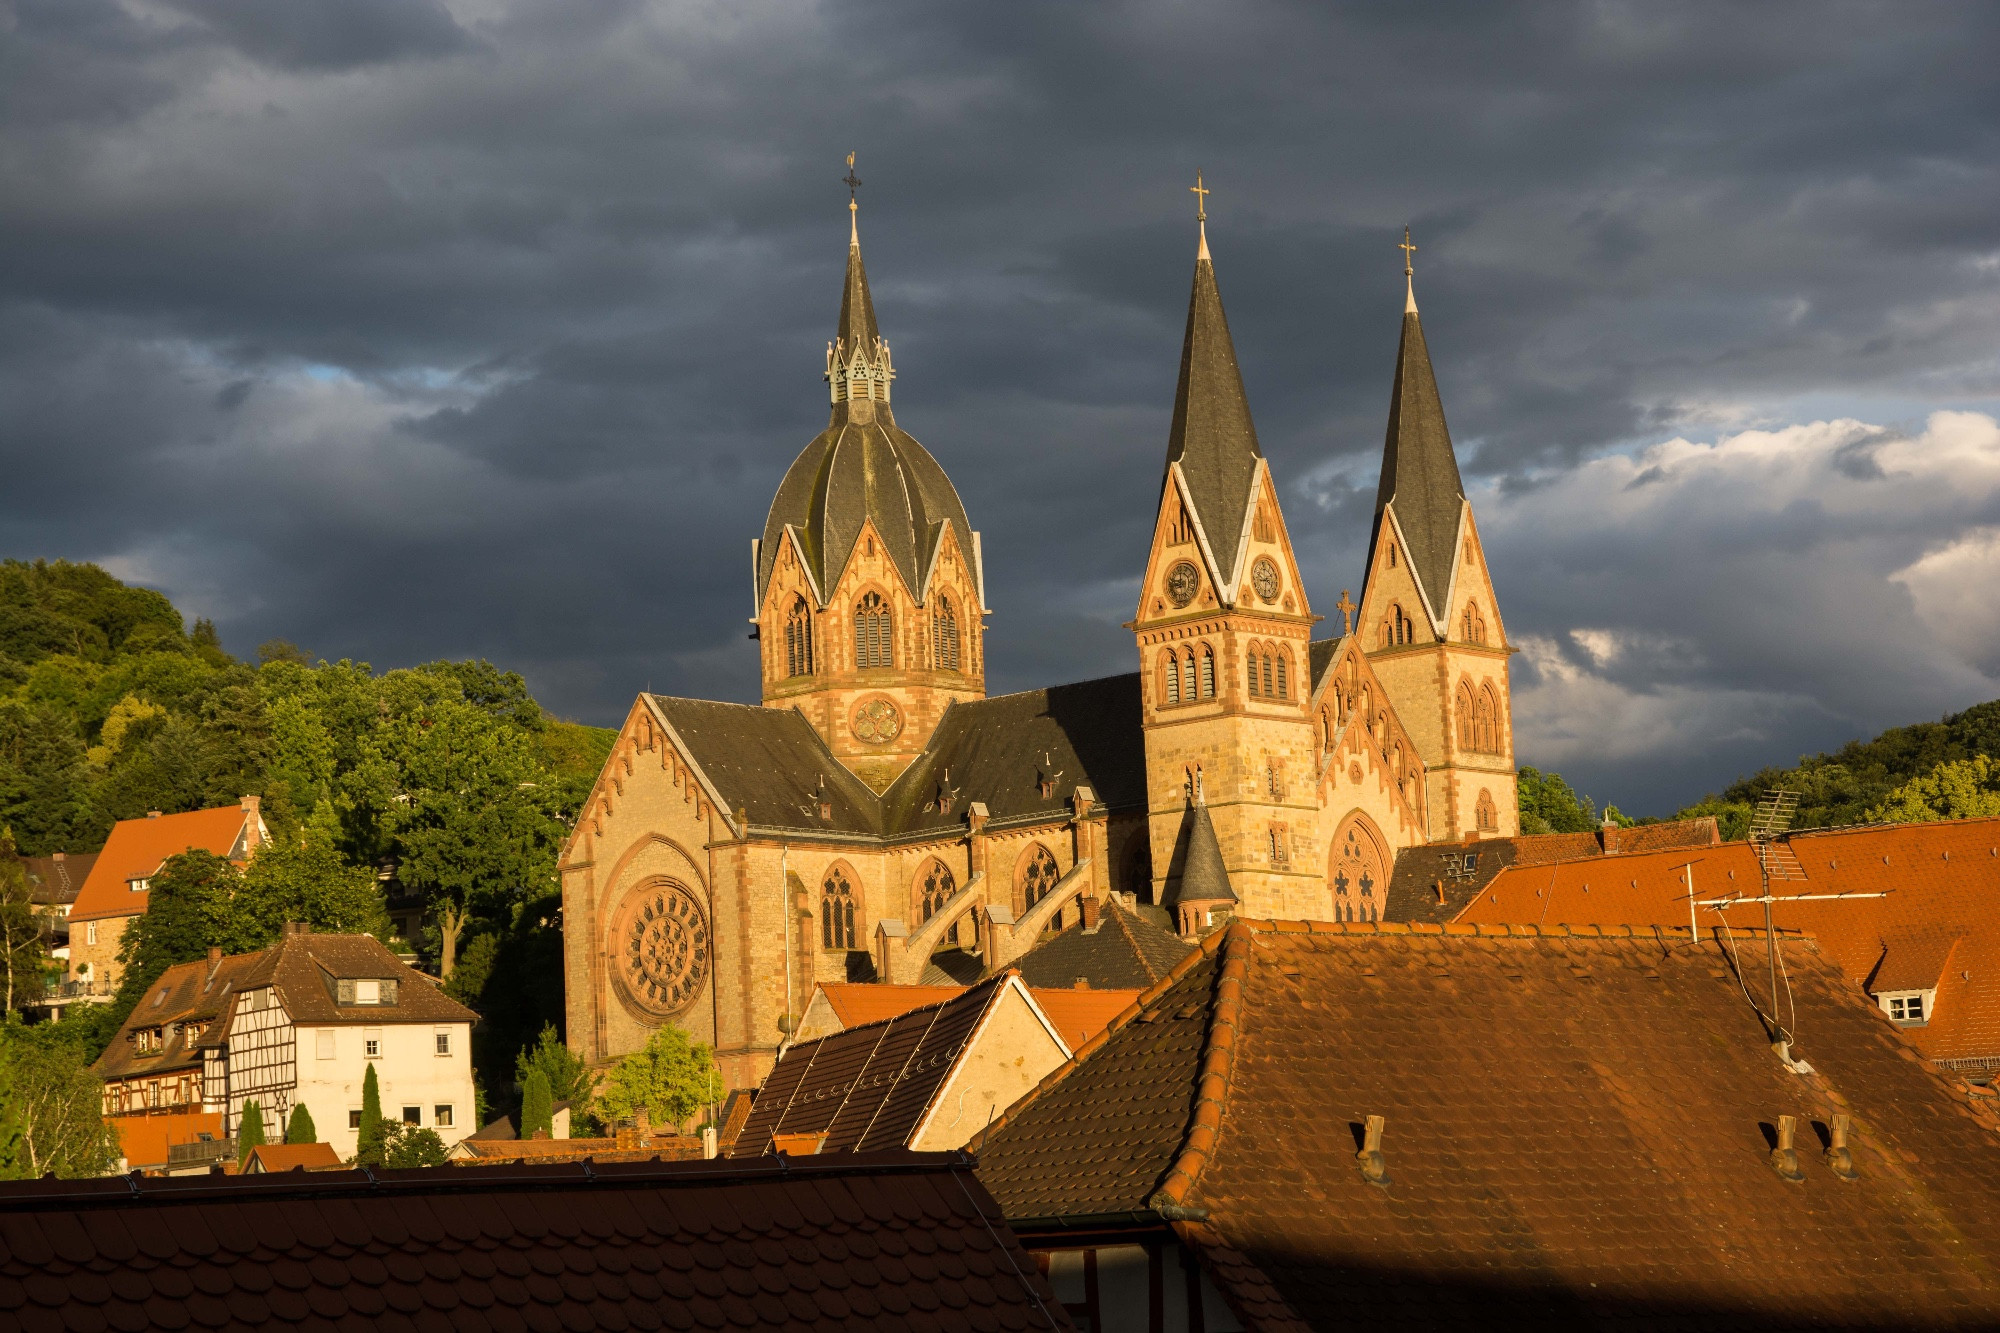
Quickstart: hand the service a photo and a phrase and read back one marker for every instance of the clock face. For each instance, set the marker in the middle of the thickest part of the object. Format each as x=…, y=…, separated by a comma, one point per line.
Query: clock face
x=1264, y=578
x=1183, y=582
x=660, y=943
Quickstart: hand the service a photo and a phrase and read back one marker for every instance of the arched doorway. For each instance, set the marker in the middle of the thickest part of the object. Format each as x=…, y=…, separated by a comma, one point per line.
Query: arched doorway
x=1358, y=875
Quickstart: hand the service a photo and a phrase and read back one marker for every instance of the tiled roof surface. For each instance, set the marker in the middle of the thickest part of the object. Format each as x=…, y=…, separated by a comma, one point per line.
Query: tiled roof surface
x=1419, y=469
x=1080, y=1015
x=1197, y=873
x=868, y=1087
x=55, y=880
x=857, y=1002
x=1128, y=948
x=1422, y=870
x=143, y=1139
x=136, y=848
x=185, y=993
x=1576, y=1135
x=1077, y=1014
x=1942, y=880
x=290, y=1156
x=664, y=1147
x=898, y=1240
x=770, y=763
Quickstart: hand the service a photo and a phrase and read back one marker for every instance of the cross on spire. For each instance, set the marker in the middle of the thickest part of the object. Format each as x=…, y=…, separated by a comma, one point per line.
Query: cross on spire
x=853, y=183
x=1200, y=198
x=1347, y=610
x=1407, y=249
x=1409, y=282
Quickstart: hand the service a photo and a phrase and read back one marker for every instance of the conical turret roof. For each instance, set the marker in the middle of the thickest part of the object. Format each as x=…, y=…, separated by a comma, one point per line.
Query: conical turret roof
x=1213, y=438
x=1203, y=878
x=1419, y=470
x=863, y=468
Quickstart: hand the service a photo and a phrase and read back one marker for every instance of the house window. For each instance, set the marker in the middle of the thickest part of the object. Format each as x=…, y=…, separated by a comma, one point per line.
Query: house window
x=441, y=1115
x=368, y=992
x=1906, y=1007
x=836, y=911
x=142, y=884
x=354, y=1119
x=413, y=1115
x=442, y=1039
x=871, y=633
x=798, y=639
x=371, y=1044
x=90, y=932
x=323, y=1044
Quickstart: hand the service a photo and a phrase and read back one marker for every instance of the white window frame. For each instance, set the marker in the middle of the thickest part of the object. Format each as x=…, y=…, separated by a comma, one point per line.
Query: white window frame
x=441, y=1042
x=367, y=991
x=444, y=1115
x=1895, y=1003
x=371, y=1043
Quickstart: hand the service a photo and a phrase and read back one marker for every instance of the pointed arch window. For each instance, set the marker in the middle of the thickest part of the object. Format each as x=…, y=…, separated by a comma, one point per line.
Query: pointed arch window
x=1489, y=720
x=836, y=910
x=1179, y=530
x=872, y=633
x=1397, y=628
x=798, y=639
x=1485, y=813
x=1207, y=672
x=1188, y=694
x=944, y=635
x=1261, y=527
x=1170, y=677
x=1039, y=874
x=935, y=885
x=1472, y=625
x=1250, y=673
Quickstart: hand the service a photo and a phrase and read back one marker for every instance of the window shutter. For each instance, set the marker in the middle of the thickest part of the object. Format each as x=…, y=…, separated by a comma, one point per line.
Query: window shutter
x=389, y=991
x=344, y=991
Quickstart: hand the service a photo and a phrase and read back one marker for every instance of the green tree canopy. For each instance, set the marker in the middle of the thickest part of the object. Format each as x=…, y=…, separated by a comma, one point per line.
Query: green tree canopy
x=407, y=1146
x=249, y=1131
x=670, y=1079
x=23, y=960
x=569, y=1078
x=300, y=1128
x=51, y=1105
x=1548, y=805
x=537, y=1107
x=1955, y=789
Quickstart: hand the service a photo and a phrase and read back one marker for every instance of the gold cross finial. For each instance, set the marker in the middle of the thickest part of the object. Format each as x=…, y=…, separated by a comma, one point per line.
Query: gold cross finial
x=1407, y=250
x=1200, y=198
x=852, y=182
x=1346, y=609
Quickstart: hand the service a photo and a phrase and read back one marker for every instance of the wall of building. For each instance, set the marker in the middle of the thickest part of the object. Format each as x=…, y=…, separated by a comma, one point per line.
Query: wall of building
x=332, y=1062
x=97, y=960
x=1010, y=1053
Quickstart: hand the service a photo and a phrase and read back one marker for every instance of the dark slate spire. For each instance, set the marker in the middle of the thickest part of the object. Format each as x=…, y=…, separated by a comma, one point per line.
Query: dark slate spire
x=1213, y=438
x=1203, y=877
x=1419, y=471
x=857, y=310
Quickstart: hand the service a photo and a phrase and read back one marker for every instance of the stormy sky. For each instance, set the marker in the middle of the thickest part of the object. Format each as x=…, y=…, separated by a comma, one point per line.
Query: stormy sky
x=407, y=329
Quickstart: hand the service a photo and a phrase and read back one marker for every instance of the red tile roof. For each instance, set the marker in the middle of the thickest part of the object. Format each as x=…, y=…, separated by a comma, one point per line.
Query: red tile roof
x=136, y=848
x=1434, y=881
x=1080, y=1015
x=290, y=1156
x=143, y=1139
x=1942, y=881
x=887, y=1240
x=1576, y=1135
x=1077, y=1014
x=664, y=1148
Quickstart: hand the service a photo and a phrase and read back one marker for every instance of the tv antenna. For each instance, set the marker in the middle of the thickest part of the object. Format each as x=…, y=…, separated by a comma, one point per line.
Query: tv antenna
x=1776, y=863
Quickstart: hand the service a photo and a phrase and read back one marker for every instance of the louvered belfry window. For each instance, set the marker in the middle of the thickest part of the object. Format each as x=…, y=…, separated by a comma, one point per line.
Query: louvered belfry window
x=872, y=633
x=1207, y=674
x=944, y=635
x=798, y=639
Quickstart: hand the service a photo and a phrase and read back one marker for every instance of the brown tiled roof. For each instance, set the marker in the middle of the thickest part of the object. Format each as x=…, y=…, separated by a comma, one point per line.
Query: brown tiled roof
x=292, y=1156
x=1462, y=869
x=197, y=993
x=664, y=1147
x=55, y=880
x=1576, y=1134
x=867, y=1087
x=889, y=1239
x=1077, y=1015
x=136, y=848
x=1128, y=948
x=1942, y=881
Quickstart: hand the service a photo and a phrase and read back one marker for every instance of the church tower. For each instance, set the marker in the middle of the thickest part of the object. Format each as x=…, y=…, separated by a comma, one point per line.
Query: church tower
x=1223, y=629
x=1428, y=620
x=869, y=586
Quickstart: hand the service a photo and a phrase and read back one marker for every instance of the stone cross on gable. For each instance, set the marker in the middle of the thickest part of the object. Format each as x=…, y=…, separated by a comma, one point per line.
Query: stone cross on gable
x=1347, y=610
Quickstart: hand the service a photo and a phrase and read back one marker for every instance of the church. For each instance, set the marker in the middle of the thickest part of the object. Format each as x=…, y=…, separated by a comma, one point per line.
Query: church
x=879, y=817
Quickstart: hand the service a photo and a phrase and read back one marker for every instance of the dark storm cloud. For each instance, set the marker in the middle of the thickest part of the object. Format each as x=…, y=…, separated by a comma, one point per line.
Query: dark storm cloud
x=409, y=328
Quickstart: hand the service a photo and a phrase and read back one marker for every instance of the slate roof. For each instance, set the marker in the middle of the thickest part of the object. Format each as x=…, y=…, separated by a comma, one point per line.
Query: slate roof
x=1127, y=948
x=1213, y=437
x=1938, y=920
x=1419, y=870
x=136, y=848
x=855, y=472
x=1197, y=873
x=56, y=880
x=1576, y=1135
x=1078, y=1015
x=902, y=1240
x=770, y=762
x=867, y=1087
x=1320, y=654
x=1419, y=470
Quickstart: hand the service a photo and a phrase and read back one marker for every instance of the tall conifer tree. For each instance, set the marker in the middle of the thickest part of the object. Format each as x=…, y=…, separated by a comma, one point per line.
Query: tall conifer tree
x=369, y=1146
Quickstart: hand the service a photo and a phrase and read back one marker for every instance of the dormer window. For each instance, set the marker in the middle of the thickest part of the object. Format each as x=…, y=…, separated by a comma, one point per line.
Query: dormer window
x=1908, y=1008
x=140, y=884
x=149, y=1040
x=365, y=990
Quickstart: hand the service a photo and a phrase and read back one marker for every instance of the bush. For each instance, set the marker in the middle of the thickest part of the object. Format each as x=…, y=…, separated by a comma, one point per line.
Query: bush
x=670, y=1079
x=406, y=1146
x=301, y=1128
x=537, y=1107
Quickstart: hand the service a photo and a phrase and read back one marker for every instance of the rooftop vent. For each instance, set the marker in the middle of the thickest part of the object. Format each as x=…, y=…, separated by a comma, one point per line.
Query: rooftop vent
x=1374, y=1167
x=1785, y=1157
x=1838, y=1155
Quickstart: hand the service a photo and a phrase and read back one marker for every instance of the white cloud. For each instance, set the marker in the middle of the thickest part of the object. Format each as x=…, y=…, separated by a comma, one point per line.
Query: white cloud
x=1954, y=587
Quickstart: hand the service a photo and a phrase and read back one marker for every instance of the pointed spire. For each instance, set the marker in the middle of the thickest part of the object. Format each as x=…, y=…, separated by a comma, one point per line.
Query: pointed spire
x=1203, y=878
x=1213, y=437
x=857, y=360
x=1409, y=275
x=1419, y=469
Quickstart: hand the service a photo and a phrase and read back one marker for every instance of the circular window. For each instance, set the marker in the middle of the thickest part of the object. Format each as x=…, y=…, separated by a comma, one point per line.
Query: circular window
x=1264, y=578
x=1183, y=582
x=659, y=944
x=876, y=721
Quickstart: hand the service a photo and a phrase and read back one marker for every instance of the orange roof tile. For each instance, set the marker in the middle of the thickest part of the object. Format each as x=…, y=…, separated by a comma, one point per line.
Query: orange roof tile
x=1080, y=1015
x=287, y=1156
x=1938, y=920
x=857, y=1002
x=136, y=848
x=143, y=1140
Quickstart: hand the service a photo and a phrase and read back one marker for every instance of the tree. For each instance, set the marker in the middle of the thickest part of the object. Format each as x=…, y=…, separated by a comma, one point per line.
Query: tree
x=670, y=1078
x=371, y=1143
x=568, y=1077
x=192, y=907
x=406, y=1146
x=1548, y=805
x=300, y=1129
x=22, y=959
x=1957, y=789
x=537, y=1107
x=305, y=879
x=249, y=1131
x=51, y=1106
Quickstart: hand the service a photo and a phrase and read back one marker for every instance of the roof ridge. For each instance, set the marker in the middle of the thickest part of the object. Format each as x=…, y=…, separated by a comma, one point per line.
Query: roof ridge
x=1217, y=1068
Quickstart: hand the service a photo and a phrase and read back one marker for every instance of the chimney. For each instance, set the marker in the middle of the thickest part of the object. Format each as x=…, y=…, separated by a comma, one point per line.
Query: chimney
x=1839, y=1156
x=152, y=814
x=1374, y=1167
x=1088, y=906
x=253, y=837
x=1785, y=1157
x=214, y=956
x=60, y=858
x=1609, y=835
x=1082, y=983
